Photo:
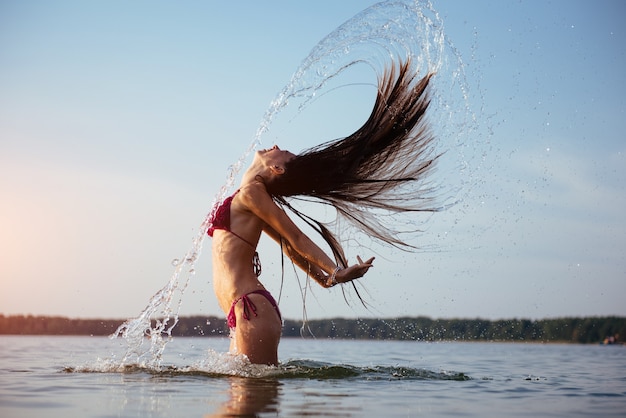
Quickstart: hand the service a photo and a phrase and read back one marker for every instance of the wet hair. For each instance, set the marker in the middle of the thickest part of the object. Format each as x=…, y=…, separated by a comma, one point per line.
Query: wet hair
x=374, y=170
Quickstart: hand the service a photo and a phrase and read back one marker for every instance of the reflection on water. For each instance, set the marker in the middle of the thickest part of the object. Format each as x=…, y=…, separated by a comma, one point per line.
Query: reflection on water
x=248, y=397
x=232, y=386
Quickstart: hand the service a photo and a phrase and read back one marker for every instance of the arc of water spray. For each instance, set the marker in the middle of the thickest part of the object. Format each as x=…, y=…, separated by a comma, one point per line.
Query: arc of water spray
x=393, y=27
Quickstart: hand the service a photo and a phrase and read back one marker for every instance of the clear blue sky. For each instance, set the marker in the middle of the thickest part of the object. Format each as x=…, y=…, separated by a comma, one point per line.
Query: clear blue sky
x=119, y=120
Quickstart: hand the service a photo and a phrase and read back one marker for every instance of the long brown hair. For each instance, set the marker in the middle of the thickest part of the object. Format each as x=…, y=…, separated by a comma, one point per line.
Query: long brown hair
x=367, y=172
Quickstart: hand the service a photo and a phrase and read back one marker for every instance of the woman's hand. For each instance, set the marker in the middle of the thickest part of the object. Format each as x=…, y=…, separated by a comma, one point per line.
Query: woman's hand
x=355, y=271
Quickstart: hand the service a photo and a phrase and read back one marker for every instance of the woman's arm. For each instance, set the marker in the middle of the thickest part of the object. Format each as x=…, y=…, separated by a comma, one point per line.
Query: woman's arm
x=310, y=269
x=299, y=247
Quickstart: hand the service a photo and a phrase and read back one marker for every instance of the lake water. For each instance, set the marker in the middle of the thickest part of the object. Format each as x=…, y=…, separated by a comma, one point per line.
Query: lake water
x=77, y=376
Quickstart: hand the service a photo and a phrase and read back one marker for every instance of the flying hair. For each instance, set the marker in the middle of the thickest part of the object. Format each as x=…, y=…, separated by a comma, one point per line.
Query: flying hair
x=381, y=168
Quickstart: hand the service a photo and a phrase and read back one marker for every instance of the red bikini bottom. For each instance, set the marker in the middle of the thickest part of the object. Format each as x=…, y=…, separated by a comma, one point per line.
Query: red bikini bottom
x=248, y=307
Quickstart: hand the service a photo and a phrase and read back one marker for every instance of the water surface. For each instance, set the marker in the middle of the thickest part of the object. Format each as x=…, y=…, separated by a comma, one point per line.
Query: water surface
x=75, y=376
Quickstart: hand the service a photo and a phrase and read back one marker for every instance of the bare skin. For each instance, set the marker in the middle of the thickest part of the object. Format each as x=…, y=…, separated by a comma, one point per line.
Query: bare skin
x=252, y=212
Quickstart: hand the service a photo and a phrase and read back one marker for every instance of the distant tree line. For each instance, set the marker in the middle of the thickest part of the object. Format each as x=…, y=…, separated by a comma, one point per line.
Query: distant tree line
x=573, y=330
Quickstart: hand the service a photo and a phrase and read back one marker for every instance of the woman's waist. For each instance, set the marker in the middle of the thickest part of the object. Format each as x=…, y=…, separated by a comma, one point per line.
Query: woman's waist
x=229, y=288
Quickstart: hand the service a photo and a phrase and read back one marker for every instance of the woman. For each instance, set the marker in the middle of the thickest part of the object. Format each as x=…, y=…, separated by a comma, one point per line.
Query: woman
x=364, y=171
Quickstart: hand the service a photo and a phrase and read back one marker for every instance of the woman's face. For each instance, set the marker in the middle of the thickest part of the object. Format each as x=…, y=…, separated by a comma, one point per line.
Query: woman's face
x=274, y=156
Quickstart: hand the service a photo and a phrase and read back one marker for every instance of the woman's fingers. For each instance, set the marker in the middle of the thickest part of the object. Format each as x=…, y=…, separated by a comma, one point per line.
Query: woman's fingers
x=356, y=271
x=369, y=262
x=363, y=266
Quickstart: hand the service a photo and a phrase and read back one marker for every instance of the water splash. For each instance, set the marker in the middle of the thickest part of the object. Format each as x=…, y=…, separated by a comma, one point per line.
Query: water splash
x=218, y=365
x=380, y=35
x=384, y=33
x=372, y=40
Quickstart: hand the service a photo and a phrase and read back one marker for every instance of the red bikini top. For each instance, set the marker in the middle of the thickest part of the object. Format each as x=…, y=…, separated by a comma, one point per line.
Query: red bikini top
x=221, y=217
x=221, y=220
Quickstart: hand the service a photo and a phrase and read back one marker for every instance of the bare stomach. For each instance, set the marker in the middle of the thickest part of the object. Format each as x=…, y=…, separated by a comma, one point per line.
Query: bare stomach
x=233, y=273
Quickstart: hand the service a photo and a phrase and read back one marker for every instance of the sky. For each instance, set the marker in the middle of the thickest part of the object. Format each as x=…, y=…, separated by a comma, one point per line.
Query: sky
x=119, y=122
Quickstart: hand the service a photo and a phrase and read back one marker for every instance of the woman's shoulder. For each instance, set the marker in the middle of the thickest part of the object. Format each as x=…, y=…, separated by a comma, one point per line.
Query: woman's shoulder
x=253, y=193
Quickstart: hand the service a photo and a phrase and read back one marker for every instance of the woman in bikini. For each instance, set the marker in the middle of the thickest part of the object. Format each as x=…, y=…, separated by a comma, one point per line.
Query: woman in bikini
x=356, y=174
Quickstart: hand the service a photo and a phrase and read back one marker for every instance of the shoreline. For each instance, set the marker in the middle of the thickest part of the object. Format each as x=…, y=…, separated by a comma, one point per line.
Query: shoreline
x=590, y=330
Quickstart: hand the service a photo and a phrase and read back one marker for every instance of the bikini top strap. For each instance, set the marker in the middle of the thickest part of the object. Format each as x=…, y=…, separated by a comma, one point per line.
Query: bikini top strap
x=242, y=238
